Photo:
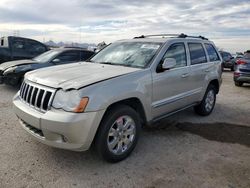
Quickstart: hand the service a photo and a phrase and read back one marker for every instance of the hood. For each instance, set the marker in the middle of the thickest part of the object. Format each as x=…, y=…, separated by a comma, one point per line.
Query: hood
x=9, y=64
x=76, y=75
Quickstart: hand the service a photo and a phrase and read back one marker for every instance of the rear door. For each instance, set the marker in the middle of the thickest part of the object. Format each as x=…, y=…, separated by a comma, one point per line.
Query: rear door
x=200, y=66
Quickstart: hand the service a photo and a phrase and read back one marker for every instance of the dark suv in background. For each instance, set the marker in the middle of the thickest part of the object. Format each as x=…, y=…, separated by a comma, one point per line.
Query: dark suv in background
x=242, y=70
x=12, y=72
x=227, y=60
x=16, y=48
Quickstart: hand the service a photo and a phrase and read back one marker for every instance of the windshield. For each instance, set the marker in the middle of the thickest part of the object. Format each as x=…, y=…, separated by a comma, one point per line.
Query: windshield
x=132, y=54
x=47, y=56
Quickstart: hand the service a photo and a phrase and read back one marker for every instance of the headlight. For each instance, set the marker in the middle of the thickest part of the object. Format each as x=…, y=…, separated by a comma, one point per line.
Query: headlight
x=70, y=101
x=9, y=70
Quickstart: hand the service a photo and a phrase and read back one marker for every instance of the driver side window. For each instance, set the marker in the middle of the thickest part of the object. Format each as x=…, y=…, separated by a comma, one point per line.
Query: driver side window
x=70, y=56
x=177, y=51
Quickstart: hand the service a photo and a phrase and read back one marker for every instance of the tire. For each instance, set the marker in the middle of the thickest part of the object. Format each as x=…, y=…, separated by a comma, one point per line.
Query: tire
x=238, y=84
x=232, y=68
x=113, y=142
x=208, y=102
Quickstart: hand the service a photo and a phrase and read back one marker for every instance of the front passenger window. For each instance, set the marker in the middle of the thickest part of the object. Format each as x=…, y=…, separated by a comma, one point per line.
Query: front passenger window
x=178, y=52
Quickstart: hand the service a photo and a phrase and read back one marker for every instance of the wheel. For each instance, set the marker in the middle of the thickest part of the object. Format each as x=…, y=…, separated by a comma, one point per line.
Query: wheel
x=118, y=133
x=232, y=68
x=207, y=104
x=239, y=84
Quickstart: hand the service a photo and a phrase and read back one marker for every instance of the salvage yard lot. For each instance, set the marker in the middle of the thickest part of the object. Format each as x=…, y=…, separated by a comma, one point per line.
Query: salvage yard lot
x=185, y=150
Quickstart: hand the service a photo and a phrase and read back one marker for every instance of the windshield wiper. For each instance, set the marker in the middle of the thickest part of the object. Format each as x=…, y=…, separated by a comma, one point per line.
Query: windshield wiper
x=108, y=63
x=124, y=65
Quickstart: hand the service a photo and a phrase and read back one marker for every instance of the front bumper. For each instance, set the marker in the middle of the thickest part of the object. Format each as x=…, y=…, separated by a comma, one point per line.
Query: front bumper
x=57, y=128
x=241, y=77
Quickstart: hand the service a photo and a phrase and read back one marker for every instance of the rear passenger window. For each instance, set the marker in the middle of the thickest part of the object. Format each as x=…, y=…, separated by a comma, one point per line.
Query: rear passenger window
x=212, y=54
x=178, y=52
x=197, y=53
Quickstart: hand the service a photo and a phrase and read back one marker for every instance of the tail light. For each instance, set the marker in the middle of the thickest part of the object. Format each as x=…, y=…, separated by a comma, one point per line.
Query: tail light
x=236, y=74
x=241, y=62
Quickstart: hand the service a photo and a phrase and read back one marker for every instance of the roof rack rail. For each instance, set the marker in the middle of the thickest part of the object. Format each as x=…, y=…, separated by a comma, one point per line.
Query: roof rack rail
x=157, y=35
x=182, y=35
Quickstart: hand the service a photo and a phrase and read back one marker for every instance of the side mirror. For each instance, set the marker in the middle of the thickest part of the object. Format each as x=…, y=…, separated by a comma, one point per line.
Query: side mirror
x=168, y=63
x=56, y=61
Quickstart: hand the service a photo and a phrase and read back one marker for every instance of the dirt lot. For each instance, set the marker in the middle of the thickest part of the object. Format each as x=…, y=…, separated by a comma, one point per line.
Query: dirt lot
x=183, y=151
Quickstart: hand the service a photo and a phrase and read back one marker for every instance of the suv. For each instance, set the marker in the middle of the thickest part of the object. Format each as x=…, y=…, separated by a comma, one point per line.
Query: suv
x=228, y=60
x=130, y=83
x=242, y=72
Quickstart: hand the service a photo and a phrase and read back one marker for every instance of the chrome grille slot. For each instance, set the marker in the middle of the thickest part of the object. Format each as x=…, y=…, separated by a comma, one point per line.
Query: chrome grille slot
x=36, y=96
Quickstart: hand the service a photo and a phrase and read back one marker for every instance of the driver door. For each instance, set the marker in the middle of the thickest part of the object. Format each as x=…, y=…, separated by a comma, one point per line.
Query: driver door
x=171, y=87
x=67, y=57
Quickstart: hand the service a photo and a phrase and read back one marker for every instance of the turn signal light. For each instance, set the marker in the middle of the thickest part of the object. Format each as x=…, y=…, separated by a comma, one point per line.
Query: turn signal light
x=82, y=105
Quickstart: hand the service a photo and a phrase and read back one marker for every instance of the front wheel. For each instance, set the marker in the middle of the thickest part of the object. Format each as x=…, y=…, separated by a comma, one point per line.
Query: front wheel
x=118, y=133
x=207, y=104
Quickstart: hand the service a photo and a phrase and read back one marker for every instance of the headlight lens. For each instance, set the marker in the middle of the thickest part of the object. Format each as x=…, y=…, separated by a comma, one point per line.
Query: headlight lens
x=70, y=101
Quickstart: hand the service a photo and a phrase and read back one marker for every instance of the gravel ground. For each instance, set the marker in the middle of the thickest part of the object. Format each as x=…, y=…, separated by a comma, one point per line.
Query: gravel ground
x=185, y=150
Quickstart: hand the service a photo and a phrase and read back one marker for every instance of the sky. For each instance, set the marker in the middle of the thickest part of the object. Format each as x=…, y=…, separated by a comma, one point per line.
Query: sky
x=226, y=22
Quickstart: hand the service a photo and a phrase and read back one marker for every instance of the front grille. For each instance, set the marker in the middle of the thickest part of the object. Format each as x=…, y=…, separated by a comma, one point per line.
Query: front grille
x=36, y=96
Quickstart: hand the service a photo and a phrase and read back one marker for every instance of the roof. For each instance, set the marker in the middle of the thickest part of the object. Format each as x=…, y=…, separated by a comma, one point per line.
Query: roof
x=68, y=49
x=162, y=38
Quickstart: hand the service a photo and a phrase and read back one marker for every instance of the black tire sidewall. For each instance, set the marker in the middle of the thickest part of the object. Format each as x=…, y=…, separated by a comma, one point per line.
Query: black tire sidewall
x=201, y=108
x=101, y=138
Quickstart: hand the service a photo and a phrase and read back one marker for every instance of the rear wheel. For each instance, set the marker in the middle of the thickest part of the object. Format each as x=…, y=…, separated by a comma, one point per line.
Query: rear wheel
x=239, y=84
x=118, y=133
x=207, y=104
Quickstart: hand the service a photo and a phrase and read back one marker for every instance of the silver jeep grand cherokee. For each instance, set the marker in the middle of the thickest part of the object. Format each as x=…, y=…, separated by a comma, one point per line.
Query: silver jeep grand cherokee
x=130, y=83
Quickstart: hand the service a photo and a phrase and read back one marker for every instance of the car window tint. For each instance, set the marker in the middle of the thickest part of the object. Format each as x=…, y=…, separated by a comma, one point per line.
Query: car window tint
x=35, y=47
x=226, y=56
x=178, y=52
x=72, y=56
x=212, y=54
x=18, y=44
x=86, y=55
x=197, y=53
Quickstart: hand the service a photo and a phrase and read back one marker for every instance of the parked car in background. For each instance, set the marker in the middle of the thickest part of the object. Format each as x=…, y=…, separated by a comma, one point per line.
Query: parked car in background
x=242, y=71
x=228, y=60
x=16, y=48
x=12, y=72
x=130, y=83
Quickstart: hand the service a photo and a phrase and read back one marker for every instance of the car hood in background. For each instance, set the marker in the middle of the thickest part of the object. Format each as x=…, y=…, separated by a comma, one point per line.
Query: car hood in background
x=76, y=75
x=9, y=64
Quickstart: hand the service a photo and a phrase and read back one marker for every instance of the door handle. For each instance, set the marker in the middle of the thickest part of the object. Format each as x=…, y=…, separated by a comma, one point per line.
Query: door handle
x=184, y=75
x=207, y=70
